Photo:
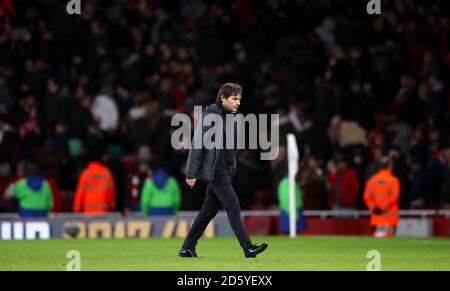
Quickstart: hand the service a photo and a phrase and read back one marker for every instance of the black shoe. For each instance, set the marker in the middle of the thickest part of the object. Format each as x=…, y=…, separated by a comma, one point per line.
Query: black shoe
x=187, y=253
x=253, y=250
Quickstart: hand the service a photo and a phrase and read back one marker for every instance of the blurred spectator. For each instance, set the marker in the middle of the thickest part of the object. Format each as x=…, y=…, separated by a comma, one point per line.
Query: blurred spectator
x=55, y=105
x=284, y=204
x=278, y=168
x=10, y=204
x=247, y=178
x=360, y=159
x=96, y=191
x=34, y=195
x=29, y=128
x=359, y=106
x=400, y=170
x=313, y=183
x=104, y=110
x=343, y=185
x=160, y=195
x=445, y=158
x=298, y=118
x=7, y=101
x=81, y=118
x=113, y=161
x=381, y=196
x=139, y=177
x=58, y=205
x=73, y=164
x=6, y=148
x=138, y=130
x=321, y=100
x=419, y=182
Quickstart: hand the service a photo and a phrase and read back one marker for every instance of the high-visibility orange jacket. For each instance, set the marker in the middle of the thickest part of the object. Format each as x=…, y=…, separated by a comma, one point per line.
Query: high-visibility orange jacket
x=383, y=191
x=96, y=193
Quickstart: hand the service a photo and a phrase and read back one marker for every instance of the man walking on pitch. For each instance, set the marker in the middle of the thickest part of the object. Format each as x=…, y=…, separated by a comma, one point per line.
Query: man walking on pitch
x=217, y=166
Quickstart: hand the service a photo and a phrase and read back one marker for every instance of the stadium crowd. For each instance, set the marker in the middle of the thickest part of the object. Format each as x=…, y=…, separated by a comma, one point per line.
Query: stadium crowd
x=104, y=85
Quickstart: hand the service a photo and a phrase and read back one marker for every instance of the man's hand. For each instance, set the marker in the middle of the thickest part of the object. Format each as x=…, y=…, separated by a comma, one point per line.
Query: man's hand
x=191, y=182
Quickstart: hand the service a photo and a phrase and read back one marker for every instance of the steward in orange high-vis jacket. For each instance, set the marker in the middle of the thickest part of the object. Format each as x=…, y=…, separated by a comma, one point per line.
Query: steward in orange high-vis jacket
x=381, y=197
x=96, y=193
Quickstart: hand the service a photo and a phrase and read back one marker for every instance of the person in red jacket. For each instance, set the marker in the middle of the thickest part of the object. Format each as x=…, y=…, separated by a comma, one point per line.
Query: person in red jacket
x=57, y=197
x=343, y=185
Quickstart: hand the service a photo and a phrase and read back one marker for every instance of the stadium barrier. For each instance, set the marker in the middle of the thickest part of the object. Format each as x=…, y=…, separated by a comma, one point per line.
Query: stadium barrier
x=413, y=223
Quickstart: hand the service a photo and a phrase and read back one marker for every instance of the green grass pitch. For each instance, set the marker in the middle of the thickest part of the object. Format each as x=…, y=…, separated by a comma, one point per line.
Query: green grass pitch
x=224, y=253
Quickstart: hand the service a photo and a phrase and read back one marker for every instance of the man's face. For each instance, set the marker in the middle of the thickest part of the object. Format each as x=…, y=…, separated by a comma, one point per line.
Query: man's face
x=231, y=103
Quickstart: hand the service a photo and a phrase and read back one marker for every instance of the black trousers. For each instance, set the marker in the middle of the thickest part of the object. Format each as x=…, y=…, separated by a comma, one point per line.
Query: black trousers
x=219, y=192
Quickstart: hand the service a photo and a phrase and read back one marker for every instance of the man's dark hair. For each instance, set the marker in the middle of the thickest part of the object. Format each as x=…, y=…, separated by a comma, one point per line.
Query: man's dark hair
x=227, y=90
